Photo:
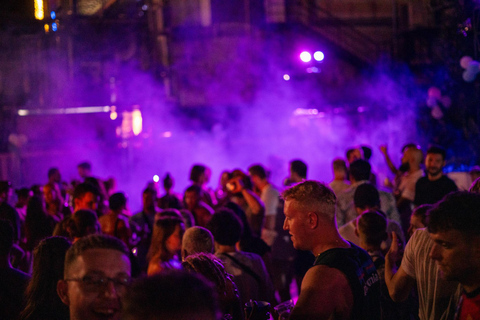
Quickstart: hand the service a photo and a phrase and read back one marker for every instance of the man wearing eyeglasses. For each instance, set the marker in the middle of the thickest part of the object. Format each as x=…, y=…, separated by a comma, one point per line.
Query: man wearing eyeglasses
x=97, y=274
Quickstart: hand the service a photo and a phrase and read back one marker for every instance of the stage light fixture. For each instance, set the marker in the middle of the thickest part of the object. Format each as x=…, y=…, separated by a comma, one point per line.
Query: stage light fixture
x=305, y=56
x=318, y=56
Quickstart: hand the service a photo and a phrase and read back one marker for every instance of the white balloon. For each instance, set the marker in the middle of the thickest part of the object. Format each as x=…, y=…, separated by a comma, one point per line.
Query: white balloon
x=437, y=113
x=467, y=76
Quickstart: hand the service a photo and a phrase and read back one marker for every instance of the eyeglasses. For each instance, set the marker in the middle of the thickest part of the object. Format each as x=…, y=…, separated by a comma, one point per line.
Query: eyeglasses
x=96, y=283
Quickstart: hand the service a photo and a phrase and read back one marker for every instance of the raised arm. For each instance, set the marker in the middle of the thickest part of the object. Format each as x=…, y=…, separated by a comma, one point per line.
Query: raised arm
x=388, y=160
x=398, y=282
x=253, y=201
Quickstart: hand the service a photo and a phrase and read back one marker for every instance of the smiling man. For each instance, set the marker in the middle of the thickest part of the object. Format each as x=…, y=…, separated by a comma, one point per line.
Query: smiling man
x=435, y=184
x=455, y=230
x=343, y=283
x=97, y=274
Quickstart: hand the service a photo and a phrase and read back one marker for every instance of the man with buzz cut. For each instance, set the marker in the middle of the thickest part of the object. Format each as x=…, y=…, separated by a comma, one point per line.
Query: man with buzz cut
x=343, y=282
x=97, y=274
x=454, y=227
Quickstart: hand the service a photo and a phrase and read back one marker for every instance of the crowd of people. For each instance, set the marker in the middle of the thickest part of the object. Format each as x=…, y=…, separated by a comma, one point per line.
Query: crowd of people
x=350, y=249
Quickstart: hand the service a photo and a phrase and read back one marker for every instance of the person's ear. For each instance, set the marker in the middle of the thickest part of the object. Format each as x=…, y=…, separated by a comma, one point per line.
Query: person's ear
x=184, y=254
x=312, y=220
x=62, y=291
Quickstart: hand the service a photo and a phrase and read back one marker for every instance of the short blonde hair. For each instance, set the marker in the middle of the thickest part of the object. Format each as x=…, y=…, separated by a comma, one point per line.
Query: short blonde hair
x=314, y=196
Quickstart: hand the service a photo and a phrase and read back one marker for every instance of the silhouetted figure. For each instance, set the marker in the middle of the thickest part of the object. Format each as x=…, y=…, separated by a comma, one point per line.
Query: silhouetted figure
x=12, y=281
x=42, y=301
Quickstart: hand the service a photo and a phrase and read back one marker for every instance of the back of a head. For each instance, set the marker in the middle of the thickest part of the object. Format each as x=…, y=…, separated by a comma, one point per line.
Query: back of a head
x=52, y=172
x=82, y=223
x=422, y=213
x=23, y=193
x=49, y=256
x=6, y=237
x=213, y=270
x=35, y=209
x=170, y=212
x=84, y=188
x=367, y=152
x=196, y=240
x=208, y=266
x=299, y=167
x=150, y=191
x=48, y=268
x=196, y=172
x=49, y=260
x=117, y=201
x=434, y=149
x=410, y=145
x=372, y=228
x=456, y=211
x=416, y=155
x=339, y=164
x=366, y=196
x=94, y=241
x=258, y=170
x=85, y=165
x=360, y=170
x=353, y=154
x=168, y=182
x=226, y=227
x=194, y=188
x=171, y=295
x=311, y=195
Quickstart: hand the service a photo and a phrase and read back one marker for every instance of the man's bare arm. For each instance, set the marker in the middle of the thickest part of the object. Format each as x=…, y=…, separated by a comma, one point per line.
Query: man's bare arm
x=253, y=201
x=325, y=294
x=388, y=160
x=399, y=284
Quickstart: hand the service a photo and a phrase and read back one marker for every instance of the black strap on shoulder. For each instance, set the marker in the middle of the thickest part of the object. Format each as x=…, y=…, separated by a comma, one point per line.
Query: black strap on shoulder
x=245, y=268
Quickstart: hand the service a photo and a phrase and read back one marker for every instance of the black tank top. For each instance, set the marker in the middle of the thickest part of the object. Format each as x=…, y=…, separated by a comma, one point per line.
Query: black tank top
x=357, y=266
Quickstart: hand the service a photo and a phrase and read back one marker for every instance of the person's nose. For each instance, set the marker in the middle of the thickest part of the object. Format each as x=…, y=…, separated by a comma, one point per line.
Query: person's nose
x=285, y=224
x=434, y=253
x=110, y=290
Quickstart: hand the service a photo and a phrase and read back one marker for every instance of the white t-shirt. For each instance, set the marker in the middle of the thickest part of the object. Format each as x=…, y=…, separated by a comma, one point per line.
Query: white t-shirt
x=437, y=298
x=270, y=197
x=407, y=184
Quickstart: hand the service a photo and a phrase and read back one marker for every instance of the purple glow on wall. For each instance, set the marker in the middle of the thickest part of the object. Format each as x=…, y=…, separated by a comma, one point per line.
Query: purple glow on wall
x=249, y=117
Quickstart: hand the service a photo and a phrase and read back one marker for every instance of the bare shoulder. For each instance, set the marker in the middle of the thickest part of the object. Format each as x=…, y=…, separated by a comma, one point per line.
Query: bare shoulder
x=325, y=294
